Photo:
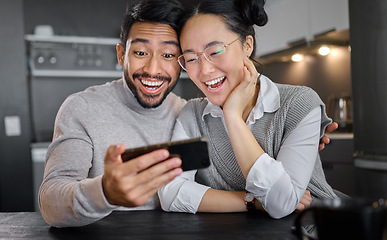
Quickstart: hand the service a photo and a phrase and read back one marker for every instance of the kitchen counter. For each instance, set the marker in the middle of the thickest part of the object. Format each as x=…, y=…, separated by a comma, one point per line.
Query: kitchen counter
x=340, y=135
x=152, y=225
x=338, y=162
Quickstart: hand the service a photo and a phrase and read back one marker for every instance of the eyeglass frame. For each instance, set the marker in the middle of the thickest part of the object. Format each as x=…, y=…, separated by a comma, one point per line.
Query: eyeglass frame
x=205, y=56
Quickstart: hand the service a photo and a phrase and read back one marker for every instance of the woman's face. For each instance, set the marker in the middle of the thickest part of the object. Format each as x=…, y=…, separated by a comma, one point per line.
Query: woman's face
x=216, y=80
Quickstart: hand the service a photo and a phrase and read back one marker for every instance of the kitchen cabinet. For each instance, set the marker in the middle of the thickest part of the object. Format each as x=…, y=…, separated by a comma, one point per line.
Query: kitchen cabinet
x=328, y=15
x=293, y=20
x=338, y=163
x=288, y=22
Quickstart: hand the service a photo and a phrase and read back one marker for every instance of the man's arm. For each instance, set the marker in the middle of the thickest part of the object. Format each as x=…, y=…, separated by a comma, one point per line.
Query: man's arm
x=72, y=193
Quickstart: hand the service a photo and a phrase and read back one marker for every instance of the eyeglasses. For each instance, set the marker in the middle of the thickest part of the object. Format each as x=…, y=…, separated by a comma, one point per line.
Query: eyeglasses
x=214, y=54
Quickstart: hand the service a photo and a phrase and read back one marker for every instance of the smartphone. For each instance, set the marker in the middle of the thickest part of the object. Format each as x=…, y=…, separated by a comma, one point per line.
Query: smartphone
x=192, y=152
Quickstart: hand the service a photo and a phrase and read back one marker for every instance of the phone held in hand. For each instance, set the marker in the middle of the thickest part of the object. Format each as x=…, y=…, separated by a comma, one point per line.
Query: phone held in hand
x=192, y=152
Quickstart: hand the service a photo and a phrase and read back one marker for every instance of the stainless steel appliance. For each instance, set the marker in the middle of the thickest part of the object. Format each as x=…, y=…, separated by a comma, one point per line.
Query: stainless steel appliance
x=340, y=110
x=58, y=67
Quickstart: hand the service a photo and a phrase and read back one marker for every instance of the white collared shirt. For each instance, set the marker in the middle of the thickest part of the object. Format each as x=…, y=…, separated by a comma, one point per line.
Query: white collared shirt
x=278, y=184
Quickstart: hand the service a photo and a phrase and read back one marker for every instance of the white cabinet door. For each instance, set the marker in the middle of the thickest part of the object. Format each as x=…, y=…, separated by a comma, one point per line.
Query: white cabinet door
x=288, y=22
x=291, y=20
x=326, y=15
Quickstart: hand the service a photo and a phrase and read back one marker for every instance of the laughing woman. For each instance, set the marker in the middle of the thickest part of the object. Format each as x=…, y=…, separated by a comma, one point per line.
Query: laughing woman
x=263, y=136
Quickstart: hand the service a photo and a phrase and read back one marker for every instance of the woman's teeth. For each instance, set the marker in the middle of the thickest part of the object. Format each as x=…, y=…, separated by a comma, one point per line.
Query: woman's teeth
x=151, y=84
x=213, y=84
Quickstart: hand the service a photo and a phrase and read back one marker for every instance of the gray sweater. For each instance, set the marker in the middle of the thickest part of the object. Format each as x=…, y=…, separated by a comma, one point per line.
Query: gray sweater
x=86, y=125
x=270, y=131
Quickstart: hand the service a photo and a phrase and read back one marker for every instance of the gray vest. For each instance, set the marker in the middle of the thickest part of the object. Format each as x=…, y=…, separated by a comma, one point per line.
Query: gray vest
x=270, y=131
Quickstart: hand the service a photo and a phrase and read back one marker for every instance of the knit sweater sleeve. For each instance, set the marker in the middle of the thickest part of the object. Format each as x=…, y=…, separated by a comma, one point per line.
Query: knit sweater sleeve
x=67, y=197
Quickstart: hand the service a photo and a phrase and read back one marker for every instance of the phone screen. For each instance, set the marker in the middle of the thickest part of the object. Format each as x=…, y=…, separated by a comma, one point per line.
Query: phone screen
x=193, y=152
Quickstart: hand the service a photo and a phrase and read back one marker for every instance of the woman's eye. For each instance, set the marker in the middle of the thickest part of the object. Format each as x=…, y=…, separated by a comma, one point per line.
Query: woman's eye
x=191, y=60
x=220, y=51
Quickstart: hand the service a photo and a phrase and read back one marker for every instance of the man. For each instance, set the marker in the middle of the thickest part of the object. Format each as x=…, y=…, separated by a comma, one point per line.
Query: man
x=80, y=186
x=85, y=178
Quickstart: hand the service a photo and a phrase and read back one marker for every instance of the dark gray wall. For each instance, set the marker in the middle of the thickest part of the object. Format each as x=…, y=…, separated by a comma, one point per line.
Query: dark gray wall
x=368, y=21
x=79, y=18
x=73, y=17
x=15, y=158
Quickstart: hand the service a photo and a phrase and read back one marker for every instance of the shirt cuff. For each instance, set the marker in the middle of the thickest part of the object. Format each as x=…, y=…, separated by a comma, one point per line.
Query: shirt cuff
x=91, y=198
x=189, y=197
x=263, y=175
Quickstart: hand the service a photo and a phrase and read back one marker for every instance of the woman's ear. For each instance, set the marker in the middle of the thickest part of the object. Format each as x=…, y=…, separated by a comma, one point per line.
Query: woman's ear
x=120, y=54
x=249, y=45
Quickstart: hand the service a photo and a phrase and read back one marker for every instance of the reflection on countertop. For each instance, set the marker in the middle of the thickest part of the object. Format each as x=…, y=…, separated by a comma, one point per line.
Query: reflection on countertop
x=340, y=135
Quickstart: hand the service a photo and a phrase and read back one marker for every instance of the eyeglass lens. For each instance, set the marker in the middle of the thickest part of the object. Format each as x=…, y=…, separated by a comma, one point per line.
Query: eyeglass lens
x=213, y=54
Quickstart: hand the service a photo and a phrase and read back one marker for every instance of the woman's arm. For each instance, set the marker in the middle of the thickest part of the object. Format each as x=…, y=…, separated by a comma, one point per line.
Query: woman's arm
x=280, y=184
x=236, y=110
x=285, y=179
x=183, y=194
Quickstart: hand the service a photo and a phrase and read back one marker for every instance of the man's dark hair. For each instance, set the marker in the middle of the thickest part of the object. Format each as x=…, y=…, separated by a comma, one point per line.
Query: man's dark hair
x=158, y=11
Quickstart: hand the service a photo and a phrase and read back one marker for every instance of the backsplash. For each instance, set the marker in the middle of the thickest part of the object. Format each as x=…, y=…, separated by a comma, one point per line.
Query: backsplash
x=327, y=75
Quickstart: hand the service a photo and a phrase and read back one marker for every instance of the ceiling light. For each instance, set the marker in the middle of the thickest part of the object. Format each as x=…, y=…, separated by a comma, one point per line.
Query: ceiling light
x=297, y=57
x=323, y=51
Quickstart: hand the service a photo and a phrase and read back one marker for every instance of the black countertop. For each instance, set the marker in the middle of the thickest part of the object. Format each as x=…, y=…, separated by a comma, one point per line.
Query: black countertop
x=152, y=225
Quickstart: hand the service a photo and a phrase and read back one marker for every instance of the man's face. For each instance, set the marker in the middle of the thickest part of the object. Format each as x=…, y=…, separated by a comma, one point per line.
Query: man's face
x=150, y=62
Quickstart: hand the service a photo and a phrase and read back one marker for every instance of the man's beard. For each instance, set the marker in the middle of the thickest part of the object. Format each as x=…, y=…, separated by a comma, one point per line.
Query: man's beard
x=142, y=99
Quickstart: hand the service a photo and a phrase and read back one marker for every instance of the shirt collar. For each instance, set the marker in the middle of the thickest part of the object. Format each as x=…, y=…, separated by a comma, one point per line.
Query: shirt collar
x=268, y=101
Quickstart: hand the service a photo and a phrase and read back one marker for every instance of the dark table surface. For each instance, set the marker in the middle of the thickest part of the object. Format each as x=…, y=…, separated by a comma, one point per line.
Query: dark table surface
x=152, y=225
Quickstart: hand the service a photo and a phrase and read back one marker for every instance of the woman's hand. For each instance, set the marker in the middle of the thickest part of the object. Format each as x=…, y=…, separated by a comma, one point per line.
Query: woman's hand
x=305, y=202
x=325, y=140
x=243, y=98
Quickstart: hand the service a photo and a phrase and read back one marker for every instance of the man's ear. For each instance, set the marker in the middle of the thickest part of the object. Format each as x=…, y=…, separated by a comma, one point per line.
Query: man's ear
x=249, y=45
x=120, y=54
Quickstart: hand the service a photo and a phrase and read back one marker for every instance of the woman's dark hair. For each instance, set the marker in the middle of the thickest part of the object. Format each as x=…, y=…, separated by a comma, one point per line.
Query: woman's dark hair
x=158, y=11
x=240, y=15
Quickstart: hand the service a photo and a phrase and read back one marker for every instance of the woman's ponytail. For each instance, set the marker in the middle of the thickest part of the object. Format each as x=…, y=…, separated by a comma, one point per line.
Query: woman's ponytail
x=253, y=11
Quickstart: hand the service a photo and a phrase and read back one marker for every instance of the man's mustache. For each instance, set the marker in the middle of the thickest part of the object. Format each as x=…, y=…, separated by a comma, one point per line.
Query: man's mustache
x=145, y=75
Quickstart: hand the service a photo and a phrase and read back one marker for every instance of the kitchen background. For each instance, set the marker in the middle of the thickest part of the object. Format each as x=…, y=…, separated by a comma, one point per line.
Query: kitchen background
x=51, y=49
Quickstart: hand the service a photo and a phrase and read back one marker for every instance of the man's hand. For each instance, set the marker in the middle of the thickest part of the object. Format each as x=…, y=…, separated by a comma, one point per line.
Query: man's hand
x=133, y=183
x=325, y=140
x=305, y=202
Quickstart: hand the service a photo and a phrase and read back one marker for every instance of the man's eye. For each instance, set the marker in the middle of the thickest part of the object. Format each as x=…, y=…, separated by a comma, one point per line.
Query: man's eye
x=140, y=53
x=169, y=55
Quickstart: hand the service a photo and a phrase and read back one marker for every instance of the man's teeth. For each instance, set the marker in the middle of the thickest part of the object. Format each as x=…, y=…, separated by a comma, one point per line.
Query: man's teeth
x=214, y=82
x=152, y=83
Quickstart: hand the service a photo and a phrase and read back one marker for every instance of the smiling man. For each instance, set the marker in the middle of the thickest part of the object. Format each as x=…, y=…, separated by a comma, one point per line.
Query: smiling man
x=150, y=62
x=85, y=178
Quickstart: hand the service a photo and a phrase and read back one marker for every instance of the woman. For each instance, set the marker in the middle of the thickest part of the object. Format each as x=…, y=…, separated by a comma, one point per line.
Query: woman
x=263, y=136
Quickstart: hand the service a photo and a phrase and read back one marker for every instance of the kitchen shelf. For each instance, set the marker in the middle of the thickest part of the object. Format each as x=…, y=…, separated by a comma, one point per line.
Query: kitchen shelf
x=76, y=73
x=72, y=39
